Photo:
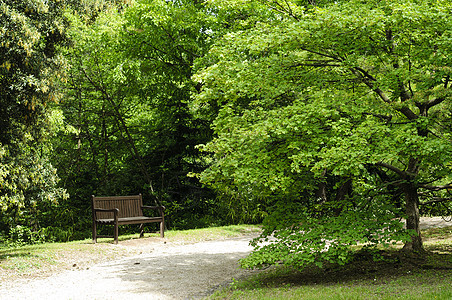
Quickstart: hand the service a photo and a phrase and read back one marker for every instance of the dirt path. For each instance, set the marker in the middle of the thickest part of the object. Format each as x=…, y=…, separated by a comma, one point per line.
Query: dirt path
x=432, y=222
x=161, y=271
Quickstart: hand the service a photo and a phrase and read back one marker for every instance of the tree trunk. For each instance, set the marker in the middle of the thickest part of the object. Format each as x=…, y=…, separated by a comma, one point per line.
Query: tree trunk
x=321, y=193
x=412, y=220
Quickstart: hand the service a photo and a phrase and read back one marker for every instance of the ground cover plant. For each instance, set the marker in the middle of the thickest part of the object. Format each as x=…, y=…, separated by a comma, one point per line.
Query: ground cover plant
x=384, y=274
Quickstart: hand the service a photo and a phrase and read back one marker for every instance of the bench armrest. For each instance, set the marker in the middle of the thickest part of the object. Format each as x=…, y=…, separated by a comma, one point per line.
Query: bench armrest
x=115, y=211
x=153, y=207
x=160, y=209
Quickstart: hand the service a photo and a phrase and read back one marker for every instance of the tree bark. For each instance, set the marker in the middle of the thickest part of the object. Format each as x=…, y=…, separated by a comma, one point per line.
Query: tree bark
x=412, y=218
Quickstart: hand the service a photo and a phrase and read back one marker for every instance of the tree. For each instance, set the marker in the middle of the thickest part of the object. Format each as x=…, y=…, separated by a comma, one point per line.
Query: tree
x=98, y=106
x=30, y=69
x=341, y=115
x=127, y=94
x=164, y=39
x=30, y=65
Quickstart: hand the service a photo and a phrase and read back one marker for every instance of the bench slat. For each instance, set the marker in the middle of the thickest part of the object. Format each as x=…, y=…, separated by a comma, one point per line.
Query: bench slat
x=131, y=220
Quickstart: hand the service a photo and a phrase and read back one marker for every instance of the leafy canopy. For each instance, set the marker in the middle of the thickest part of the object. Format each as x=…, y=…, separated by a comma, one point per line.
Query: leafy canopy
x=30, y=71
x=339, y=114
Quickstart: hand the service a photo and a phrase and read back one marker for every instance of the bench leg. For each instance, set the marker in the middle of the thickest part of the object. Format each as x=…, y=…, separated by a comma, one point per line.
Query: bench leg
x=141, y=230
x=116, y=233
x=94, y=232
x=162, y=229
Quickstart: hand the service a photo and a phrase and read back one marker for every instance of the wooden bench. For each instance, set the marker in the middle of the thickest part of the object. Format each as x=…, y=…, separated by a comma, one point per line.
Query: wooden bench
x=123, y=210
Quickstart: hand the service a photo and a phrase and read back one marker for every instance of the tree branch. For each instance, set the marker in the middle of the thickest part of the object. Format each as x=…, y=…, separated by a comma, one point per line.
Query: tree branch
x=383, y=117
x=436, y=187
x=437, y=200
x=392, y=168
x=281, y=8
x=408, y=113
x=369, y=81
x=434, y=102
x=334, y=58
x=318, y=64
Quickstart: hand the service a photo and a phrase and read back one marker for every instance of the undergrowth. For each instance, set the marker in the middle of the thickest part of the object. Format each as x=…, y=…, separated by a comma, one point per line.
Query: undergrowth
x=392, y=274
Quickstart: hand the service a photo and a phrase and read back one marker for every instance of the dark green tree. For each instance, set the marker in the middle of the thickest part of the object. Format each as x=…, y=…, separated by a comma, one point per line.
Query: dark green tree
x=164, y=39
x=30, y=66
x=30, y=69
x=130, y=129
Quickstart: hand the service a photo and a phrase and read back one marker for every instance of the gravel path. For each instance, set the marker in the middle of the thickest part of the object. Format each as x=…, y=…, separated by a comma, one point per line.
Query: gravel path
x=161, y=271
x=432, y=222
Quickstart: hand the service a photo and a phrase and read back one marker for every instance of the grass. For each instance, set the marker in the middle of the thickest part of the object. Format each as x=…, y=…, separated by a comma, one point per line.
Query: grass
x=384, y=281
x=42, y=259
x=213, y=233
x=399, y=276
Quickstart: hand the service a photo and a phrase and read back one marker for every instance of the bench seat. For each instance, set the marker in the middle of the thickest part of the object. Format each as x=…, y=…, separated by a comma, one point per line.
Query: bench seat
x=130, y=220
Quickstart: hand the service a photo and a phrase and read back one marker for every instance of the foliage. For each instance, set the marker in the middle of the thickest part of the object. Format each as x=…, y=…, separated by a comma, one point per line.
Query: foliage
x=30, y=70
x=320, y=112
x=127, y=126
x=164, y=39
x=29, y=192
x=316, y=240
x=29, y=65
x=389, y=275
x=342, y=110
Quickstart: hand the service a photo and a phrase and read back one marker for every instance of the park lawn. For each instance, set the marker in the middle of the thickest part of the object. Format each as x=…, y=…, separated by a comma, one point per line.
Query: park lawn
x=395, y=276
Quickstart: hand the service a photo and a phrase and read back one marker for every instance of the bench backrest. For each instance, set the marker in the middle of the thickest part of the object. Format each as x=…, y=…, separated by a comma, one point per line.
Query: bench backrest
x=129, y=206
